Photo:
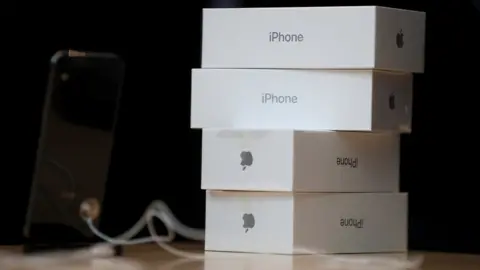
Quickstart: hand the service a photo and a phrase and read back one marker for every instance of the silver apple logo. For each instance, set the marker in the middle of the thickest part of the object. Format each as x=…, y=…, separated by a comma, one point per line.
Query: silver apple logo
x=391, y=102
x=399, y=39
x=248, y=221
x=246, y=159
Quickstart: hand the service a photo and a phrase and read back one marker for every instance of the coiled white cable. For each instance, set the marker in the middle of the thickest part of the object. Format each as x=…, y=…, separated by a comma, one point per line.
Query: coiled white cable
x=156, y=209
x=93, y=255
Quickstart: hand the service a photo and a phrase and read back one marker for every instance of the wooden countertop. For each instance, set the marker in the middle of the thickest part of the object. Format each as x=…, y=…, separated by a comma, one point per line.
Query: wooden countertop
x=153, y=257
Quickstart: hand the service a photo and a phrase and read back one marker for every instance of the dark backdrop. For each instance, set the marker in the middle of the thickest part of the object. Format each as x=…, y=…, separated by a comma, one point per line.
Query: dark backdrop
x=157, y=156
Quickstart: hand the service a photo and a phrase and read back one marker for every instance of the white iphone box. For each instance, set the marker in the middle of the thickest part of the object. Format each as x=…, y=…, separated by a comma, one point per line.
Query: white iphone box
x=287, y=160
x=357, y=37
x=341, y=100
x=306, y=223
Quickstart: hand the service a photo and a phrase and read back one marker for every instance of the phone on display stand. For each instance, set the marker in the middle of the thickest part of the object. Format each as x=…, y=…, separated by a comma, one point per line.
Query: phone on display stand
x=74, y=150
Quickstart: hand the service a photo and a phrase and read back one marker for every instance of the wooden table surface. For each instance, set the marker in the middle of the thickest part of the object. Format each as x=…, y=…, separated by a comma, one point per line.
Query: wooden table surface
x=153, y=257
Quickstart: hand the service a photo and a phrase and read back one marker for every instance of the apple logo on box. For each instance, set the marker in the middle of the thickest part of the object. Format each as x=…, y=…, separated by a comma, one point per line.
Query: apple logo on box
x=246, y=159
x=400, y=41
x=248, y=221
x=391, y=102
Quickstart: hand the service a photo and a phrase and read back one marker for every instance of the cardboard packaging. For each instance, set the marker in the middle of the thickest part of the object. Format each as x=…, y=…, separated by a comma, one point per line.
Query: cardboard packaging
x=306, y=223
x=287, y=160
x=353, y=100
x=357, y=37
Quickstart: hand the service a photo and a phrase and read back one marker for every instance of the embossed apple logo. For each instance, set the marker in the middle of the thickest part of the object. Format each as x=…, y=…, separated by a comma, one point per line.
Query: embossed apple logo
x=400, y=41
x=246, y=159
x=391, y=102
x=248, y=221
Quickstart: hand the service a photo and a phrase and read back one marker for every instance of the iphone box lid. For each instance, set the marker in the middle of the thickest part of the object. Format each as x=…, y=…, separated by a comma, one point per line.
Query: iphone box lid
x=287, y=160
x=342, y=100
x=356, y=37
x=306, y=223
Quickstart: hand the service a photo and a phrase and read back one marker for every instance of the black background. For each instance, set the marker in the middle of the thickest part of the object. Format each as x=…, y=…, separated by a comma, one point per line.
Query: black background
x=157, y=156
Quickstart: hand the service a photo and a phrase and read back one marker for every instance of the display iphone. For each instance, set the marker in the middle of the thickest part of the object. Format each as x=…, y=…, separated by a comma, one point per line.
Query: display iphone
x=74, y=152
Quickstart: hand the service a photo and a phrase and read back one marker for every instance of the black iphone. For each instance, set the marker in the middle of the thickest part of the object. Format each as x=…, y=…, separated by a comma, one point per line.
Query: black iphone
x=74, y=150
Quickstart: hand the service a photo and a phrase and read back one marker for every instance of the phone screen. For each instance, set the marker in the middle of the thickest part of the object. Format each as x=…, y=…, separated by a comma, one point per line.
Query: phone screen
x=75, y=145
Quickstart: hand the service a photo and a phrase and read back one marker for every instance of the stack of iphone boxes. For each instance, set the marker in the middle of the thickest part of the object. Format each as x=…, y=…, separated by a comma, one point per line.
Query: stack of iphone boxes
x=302, y=111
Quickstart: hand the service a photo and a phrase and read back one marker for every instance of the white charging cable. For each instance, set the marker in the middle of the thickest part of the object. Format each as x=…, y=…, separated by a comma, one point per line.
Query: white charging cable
x=157, y=209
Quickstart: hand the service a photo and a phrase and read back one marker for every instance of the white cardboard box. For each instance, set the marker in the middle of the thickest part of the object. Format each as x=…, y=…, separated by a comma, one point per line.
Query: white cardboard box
x=361, y=37
x=306, y=223
x=286, y=160
x=353, y=100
